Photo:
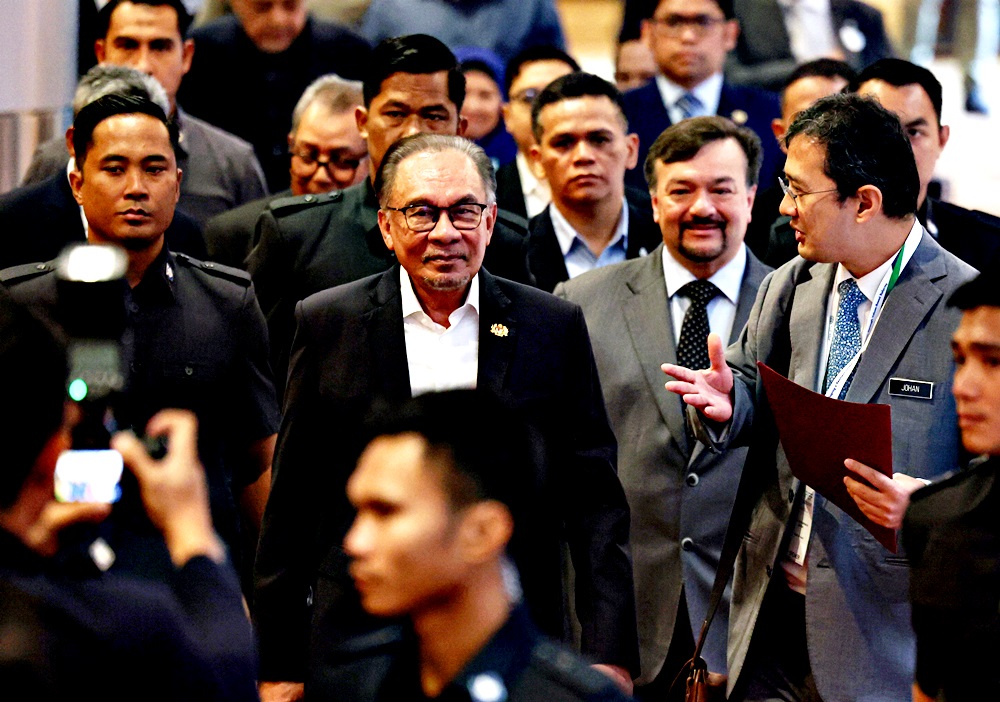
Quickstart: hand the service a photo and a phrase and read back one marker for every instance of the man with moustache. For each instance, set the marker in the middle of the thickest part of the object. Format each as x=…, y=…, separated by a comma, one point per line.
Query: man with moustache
x=584, y=149
x=702, y=174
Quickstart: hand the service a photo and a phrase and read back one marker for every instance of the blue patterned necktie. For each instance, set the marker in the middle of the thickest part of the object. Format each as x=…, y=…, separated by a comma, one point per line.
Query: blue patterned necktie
x=846, y=333
x=689, y=105
x=692, y=348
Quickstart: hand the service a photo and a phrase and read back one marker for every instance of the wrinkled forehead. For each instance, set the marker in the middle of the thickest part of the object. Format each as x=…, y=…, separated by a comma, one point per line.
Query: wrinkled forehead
x=436, y=177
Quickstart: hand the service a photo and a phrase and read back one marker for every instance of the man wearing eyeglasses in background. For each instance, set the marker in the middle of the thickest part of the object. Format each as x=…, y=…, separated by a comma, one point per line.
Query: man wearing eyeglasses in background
x=690, y=40
x=327, y=153
x=439, y=321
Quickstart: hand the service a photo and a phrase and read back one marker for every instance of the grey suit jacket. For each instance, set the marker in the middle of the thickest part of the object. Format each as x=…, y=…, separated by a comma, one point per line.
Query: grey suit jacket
x=680, y=507
x=861, y=643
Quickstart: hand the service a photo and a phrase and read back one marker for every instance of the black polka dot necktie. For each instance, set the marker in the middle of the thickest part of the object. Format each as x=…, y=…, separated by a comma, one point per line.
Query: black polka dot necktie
x=692, y=349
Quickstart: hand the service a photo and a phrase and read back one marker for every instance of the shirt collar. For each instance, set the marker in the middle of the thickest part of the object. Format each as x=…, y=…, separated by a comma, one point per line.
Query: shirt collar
x=727, y=279
x=869, y=284
x=499, y=664
x=411, y=305
x=529, y=183
x=820, y=6
x=180, y=117
x=709, y=92
x=160, y=279
x=566, y=235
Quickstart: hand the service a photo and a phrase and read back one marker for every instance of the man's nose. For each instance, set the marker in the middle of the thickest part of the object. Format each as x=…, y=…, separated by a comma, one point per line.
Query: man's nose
x=143, y=61
x=703, y=204
x=136, y=187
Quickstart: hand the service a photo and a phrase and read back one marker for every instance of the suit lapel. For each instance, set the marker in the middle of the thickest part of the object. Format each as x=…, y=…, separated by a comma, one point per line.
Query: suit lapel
x=905, y=308
x=808, y=315
x=647, y=316
x=497, y=335
x=390, y=374
x=545, y=259
x=753, y=276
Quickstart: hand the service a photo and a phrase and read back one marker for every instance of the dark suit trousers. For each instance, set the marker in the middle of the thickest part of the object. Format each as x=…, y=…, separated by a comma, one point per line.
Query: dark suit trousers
x=662, y=688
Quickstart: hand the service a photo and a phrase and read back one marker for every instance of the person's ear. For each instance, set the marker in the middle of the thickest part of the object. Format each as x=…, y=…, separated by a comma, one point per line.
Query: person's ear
x=485, y=531
x=361, y=119
x=869, y=203
x=384, y=226
x=187, y=55
x=76, y=183
x=463, y=124
x=779, y=130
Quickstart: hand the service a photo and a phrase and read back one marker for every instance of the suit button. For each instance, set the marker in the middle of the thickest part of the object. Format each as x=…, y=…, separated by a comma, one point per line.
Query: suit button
x=309, y=198
x=687, y=543
x=691, y=479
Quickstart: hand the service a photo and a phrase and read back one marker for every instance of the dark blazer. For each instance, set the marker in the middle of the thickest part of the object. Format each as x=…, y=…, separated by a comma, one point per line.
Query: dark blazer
x=746, y=106
x=38, y=221
x=857, y=618
x=349, y=349
x=952, y=536
x=510, y=196
x=229, y=236
x=971, y=235
x=308, y=243
x=763, y=54
x=545, y=258
x=674, y=491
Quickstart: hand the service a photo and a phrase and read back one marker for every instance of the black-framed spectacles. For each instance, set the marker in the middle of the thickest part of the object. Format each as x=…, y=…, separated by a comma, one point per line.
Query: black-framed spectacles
x=527, y=96
x=787, y=190
x=311, y=159
x=422, y=218
x=674, y=25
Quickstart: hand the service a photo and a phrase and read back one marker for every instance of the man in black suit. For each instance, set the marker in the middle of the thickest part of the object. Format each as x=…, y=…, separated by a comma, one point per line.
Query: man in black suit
x=439, y=321
x=326, y=153
x=584, y=149
x=690, y=40
x=951, y=532
x=252, y=66
x=914, y=93
x=310, y=243
x=519, y=189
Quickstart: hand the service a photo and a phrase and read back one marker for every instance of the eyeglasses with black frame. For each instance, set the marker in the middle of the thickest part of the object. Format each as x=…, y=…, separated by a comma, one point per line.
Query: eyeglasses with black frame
x=674, y=25
x=464, y=216
x=311, y=159
x=787, y=190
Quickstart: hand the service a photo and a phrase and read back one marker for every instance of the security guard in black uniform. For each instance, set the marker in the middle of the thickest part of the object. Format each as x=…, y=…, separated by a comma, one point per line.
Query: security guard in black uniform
x=195, y=337
x=444, y=493
x=308, y=243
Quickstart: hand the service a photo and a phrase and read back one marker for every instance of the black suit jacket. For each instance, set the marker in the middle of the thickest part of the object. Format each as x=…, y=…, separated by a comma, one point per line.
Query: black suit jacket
x=39, y=221
x=510, y=196
x=229, y=236
x=971, y=235
x=349, y=350
x=545, y=258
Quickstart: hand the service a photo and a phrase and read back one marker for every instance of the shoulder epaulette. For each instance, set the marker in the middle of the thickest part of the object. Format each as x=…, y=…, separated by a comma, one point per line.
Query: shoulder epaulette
x=235, y=275
x=17, y=274
x=294, y=203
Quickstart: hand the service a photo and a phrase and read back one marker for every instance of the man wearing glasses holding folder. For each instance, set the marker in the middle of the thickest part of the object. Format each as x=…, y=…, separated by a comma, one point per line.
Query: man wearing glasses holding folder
x=861, y=316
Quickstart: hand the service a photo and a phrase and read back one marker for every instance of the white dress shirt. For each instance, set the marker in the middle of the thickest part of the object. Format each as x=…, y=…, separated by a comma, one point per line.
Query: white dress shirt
x=537, y=195
x=810, y=29
x=577, y=255
x=709, y=92
x=440, y=358
x=722, y=309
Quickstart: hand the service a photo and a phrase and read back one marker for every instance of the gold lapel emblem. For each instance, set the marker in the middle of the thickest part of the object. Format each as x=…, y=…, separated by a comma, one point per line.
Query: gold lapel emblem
x=498, y=330
x=739, y=117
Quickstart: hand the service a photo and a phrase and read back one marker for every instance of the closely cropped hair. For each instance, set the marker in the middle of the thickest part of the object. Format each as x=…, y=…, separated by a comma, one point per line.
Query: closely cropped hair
x=570, y=87
x=108, y=106
x=683, y=141
x=898, y=72
x=414, y=53
x=331, y=91
x=385, y=178
x=183, y=16
x=531, y=55
x=981, y=291
x=103, y=80
x=865, y=145
x=820, y=68
x=727, y=7
x=481, y=449
x=33, y=369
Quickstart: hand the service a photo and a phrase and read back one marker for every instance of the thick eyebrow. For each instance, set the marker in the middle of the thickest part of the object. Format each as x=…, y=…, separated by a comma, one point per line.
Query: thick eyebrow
x=978, y=346
x=689, y=181
x=918, y=122
x=117, y=158
x=464, y=200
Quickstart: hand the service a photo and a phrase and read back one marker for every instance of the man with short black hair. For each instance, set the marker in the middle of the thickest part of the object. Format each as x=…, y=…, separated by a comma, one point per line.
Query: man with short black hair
x=252, y=66
x=195, y=335
x=584, y=149
x=819, y=607
x=914, y=93
x=690, y=40
x=437, y=321
x=519, y=189
x=313, y=242
x=445, y=496
x=702, y=174
x=326, y=152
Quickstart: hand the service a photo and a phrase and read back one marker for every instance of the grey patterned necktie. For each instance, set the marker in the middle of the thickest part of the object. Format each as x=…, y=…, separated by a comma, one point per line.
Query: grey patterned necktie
x=846, y=341
x=689, y=105
x=692, y=349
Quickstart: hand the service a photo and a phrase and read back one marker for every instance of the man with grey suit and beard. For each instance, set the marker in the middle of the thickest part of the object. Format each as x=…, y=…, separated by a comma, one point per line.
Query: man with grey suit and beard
x=702, y=176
